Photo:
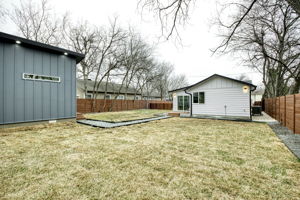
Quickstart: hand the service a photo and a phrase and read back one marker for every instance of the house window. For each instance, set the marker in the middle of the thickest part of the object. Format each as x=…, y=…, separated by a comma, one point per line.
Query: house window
x=198, y=97
x=195, y=97
x=108, y=96
x=201, y=97
x=88, y=96
x=35, y=77
x=136, y=97
x=120, y=97
x=183, y=103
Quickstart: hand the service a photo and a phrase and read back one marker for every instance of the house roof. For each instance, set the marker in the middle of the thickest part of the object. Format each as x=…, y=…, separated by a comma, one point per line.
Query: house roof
x=152, y=94
x=40, y=46
x=111, y=87
x=212, y=76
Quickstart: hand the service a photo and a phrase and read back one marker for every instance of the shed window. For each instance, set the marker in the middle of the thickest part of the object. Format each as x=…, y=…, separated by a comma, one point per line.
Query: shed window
x=195, y=97
x=35, y=77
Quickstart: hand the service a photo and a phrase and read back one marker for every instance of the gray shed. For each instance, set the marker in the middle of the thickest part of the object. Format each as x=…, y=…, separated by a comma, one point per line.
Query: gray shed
x=37, y=81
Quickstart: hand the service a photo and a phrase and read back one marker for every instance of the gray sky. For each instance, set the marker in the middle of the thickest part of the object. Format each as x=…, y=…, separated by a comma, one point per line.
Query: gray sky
x=194, y=58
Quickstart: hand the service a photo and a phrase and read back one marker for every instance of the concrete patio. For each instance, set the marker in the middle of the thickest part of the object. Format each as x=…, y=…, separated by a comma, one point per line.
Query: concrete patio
x=264, y=118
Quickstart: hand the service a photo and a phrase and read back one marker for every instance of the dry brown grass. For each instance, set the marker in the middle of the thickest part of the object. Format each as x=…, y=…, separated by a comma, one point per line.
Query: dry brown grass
x=167, y=159
x=125, y=115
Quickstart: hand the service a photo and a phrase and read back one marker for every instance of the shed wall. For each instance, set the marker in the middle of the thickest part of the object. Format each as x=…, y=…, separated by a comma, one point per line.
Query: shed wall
x=26, y=100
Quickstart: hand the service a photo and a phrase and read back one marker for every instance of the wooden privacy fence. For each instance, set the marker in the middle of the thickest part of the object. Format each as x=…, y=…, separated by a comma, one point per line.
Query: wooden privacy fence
x=161, y=106
x=108, y=105
x=286, y=110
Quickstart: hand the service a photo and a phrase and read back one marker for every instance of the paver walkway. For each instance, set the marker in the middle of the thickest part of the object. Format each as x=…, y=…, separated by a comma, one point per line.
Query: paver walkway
x=105, y=124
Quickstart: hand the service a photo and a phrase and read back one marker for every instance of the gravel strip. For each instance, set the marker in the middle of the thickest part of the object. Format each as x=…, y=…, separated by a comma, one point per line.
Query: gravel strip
x=291, y=140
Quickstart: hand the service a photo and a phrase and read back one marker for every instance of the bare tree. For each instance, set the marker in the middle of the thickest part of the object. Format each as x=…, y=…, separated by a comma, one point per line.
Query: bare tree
x=174, y=13
x=110, y=41
x=170, y=13
x=162, y=83
x=136, y=56
x=84, y=38
x=268, y=41
x=177, y=81
x=3, y=12
x=37, y=22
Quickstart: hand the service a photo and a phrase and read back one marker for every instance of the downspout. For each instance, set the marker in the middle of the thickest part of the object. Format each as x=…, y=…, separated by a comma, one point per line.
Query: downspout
x=251, y=102
x=191, y=103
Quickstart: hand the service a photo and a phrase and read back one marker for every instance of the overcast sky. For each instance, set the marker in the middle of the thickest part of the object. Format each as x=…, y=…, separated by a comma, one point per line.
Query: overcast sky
x=194, y=58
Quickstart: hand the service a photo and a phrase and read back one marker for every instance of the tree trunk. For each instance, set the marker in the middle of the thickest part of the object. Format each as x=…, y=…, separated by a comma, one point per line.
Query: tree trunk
x=295, y=4
x=296, y=87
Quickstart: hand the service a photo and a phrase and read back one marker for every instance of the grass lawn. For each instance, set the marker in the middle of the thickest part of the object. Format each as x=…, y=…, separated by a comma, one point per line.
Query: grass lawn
x=125, y=115
x=167, y=159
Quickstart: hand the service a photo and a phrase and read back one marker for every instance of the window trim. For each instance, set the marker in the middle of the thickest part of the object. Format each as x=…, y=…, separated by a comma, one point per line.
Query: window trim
x=36, y=79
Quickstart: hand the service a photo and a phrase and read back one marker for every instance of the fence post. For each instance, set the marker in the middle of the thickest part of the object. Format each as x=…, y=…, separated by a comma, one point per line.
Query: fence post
x=279, y=110
x=284, y=110
x=274, y=99
x=275, y=107
x=294, y=128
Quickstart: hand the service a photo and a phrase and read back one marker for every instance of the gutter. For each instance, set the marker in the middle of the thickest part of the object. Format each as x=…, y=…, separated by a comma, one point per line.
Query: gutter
x=251, y=90
x=191, y=103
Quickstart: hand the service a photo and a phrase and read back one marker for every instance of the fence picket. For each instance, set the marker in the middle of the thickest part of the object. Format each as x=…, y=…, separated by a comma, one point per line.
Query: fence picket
x=285, y=109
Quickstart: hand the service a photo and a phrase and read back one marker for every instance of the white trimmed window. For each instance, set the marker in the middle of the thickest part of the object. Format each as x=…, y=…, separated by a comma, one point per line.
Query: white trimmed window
x=108, y=96
x=199, y=97
x=121, y=97
x=136, y=97
x=196, y=97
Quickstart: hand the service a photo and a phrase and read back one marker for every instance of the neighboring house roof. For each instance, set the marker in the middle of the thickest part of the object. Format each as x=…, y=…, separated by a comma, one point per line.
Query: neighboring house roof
x=153, y=94
x=40, y=46
x=212, y=76
x=259, y=91
x=111, y=87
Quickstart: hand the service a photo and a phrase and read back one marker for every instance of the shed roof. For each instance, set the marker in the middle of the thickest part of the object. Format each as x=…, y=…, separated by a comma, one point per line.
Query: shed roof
x=212, y=76
x=40, y=46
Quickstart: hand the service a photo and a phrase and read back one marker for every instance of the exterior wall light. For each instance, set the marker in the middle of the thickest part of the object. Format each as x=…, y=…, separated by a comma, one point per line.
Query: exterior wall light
x=65, y=53
x=174, y=95
x=18, y=42
x=245, y=89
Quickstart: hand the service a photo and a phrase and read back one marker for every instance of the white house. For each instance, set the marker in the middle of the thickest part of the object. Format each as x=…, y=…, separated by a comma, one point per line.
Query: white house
x=215, y=96
x=257, y=95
